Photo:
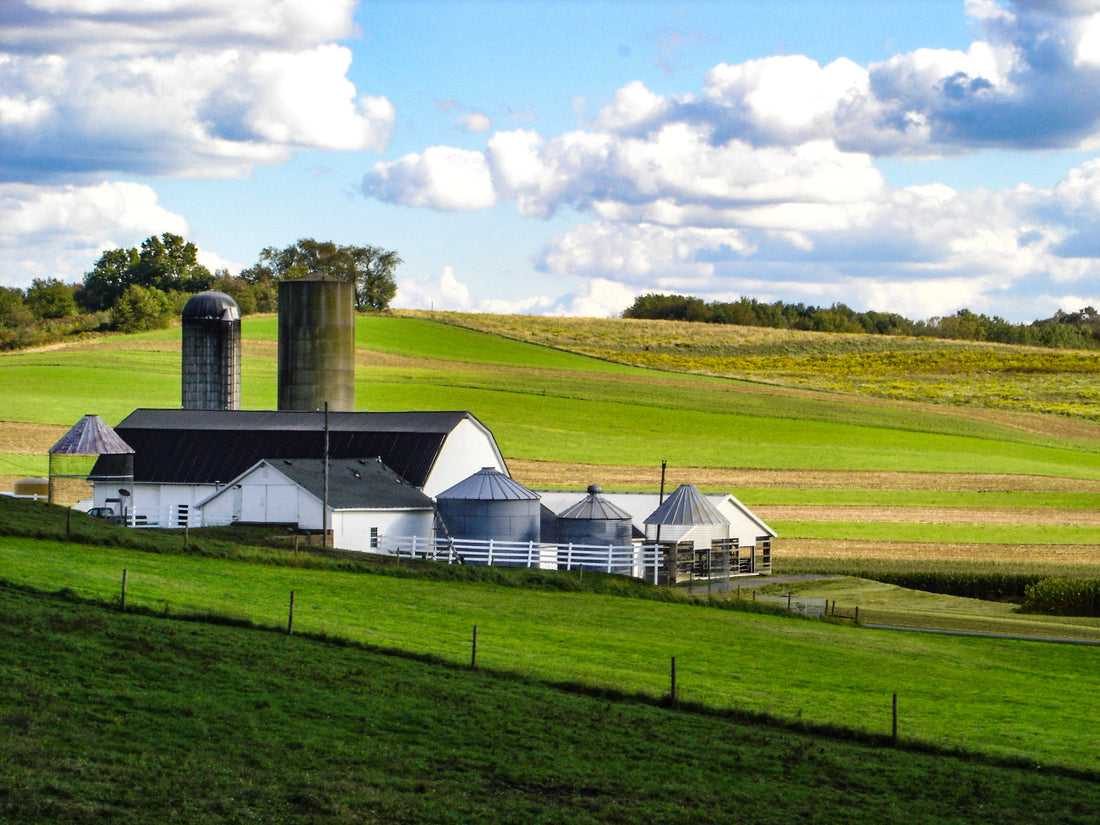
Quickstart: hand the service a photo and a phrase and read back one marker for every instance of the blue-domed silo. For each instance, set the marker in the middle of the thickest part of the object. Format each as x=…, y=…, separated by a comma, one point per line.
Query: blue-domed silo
x=211, y=368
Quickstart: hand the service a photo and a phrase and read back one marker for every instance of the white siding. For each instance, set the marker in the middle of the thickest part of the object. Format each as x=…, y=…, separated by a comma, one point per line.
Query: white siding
x=351, y=529
x=466, y=450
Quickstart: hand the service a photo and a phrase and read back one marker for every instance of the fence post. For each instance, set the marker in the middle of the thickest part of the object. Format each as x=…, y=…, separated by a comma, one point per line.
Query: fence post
x=489, y=561
x=123, y=602
x=569, y=557
x=290, y=615
x=672, y=687
x=788, y=601
x=530, y=552
x=857, y=614
x=473, y=651
x=894, y=734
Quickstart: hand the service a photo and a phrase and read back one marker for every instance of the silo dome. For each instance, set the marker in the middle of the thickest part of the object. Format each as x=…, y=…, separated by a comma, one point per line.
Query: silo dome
x=490, y=505
x=211, y=352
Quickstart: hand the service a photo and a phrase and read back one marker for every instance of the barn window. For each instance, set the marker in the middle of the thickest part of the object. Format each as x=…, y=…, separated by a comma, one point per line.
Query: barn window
x=374, y=537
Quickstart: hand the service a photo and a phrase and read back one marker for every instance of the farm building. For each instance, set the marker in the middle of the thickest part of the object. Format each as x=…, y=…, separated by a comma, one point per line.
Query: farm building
x=431, y=482
x=183, y=457
x=366, y=500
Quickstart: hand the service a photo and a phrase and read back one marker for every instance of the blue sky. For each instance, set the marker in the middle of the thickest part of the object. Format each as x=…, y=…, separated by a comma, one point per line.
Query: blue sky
x=565, y=156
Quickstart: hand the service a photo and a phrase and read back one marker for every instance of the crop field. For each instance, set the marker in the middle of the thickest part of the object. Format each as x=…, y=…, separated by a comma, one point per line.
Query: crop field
x=994, y=376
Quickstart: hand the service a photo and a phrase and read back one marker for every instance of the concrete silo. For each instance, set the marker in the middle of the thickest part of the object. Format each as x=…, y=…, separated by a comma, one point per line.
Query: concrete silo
x=316, y=344
x=490, y=505
x=211, y=353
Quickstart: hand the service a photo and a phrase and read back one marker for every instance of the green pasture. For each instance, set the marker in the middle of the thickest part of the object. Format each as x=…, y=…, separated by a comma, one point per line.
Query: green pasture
x=549, y=405
x=898, y=531
x=794, y=669
x=976, y=499
x=128, y=719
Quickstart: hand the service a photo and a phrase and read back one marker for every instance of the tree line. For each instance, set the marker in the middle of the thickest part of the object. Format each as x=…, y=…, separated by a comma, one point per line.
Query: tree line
x=131, y=290
x=1076, y=330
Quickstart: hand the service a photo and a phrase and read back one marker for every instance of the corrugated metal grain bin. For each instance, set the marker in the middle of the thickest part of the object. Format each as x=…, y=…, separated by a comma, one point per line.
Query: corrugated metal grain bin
x=595, y=520
x=490, y=506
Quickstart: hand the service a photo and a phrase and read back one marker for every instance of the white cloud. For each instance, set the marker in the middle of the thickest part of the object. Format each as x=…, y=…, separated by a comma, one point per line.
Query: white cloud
x=474, y=122
x=440, y=178
x=196, y=88
x=60, y=231
x=445, y=293
x=125, y=28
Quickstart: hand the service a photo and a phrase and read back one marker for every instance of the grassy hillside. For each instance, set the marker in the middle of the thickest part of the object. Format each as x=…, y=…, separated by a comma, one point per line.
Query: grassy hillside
x=568, y=420
x=131, y=719
x=828, y=674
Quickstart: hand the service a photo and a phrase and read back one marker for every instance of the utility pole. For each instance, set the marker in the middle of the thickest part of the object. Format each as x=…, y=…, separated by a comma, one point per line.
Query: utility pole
x=324, y=503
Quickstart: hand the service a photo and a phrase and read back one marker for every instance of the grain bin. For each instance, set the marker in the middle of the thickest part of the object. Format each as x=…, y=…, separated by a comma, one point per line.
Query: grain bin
x=595, y=521
x=316, y=344
x=211, y=352
x=490, y=506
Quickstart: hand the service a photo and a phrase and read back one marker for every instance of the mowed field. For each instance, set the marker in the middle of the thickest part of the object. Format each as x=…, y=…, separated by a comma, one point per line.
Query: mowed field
x=807, y=429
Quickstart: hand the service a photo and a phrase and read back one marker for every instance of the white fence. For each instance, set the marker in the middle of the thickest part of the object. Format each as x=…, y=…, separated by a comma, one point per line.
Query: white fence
x=639, y=560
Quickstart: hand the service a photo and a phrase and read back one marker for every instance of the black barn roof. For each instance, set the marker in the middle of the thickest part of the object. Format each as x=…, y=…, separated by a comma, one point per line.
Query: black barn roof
x=215, y=446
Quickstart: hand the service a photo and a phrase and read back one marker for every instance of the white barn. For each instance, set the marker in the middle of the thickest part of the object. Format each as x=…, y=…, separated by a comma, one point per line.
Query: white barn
x=182, y=458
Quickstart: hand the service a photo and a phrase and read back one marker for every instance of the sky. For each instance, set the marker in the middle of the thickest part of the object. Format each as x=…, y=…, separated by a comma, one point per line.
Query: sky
x=566, y=156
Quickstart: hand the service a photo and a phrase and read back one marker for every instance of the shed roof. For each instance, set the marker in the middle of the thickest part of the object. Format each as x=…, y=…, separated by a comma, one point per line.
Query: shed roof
x=488, y=484
x=208, y=446
x=354, y=483
x=91, y=436
x=686, y=505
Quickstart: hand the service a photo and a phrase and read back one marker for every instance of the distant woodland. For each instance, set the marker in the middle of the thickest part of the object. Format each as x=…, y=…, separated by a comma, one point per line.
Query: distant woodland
x=1065, y=330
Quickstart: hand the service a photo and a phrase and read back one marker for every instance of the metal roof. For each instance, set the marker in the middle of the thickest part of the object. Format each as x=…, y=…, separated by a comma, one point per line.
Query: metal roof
x=686, y=505
x=488, y=484
x=208, y=446
x=594, y=507
x=91, y=436
x=354, y=483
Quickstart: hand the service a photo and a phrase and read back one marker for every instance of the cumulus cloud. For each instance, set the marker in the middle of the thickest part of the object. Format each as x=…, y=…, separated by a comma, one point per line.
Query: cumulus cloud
x=185, y=87
x=194, y=88
x=60, y=231
x=445, y=293
x=475, y=122
x=765, y=179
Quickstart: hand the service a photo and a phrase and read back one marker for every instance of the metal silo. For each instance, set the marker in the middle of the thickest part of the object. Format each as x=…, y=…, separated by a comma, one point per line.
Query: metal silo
x=211, y=353
x=316, y=344
x=595, y=520
x=490, y=505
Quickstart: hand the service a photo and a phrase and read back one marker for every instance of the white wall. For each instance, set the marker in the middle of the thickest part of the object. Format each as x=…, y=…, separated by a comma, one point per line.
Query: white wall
x=351, y=529
x=466, y=450
x=157, y=504
x=264, y=496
